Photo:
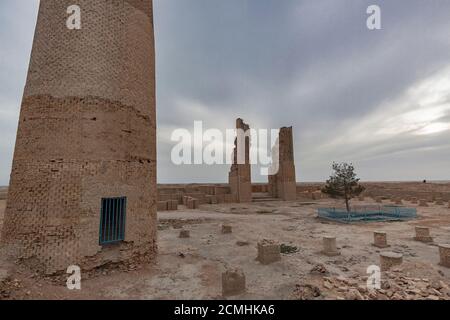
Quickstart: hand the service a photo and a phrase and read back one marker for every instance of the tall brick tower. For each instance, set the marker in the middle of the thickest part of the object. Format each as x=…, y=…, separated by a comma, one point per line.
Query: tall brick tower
x=83, y=181
x=239, y=177
x=283, y=183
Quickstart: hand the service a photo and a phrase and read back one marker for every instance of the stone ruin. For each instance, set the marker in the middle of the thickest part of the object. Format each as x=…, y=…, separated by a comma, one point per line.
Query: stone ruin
x=233, y=282
x=423, y=234
x=84, y=192
x=85, y=153
x=269, y=251
x=380, y=239
x=239, y=177
x=282, y=184
x=329, y=246
x=390, y=259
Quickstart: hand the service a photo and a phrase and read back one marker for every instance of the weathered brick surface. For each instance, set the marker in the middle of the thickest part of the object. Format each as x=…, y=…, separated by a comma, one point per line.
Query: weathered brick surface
x=184, y=234
x=444, y=254
x=233, y=282
x=380, y=239
x=389, y=260
x=329, y=246
x=423, y=234
x=210, y=199
x=283, y=183
x=227, y=229
x=172, y=205
x=192, y=203
x=86, y=131
x=239, y=177
x=269, y=251
x=162, y=206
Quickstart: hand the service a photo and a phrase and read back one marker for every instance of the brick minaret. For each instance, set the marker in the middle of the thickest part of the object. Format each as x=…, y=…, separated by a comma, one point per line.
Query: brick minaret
x=86, y=136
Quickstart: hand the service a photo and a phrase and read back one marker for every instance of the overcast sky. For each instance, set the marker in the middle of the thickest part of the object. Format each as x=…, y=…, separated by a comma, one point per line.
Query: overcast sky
x=379, y=99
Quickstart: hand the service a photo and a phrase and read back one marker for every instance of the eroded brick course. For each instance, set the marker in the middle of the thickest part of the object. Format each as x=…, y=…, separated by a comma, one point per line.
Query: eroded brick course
x=86, y=131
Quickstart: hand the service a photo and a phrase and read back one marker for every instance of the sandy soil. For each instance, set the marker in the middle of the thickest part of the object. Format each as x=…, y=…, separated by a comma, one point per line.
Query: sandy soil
x=191, y=268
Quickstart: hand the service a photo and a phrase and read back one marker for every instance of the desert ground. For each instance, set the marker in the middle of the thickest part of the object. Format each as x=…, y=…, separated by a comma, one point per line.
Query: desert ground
x=191, y=268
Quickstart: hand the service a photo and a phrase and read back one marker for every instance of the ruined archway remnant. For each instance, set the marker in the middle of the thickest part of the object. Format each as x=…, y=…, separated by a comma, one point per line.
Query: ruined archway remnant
x=239, y=177
x=282, y=184
x=86, y=141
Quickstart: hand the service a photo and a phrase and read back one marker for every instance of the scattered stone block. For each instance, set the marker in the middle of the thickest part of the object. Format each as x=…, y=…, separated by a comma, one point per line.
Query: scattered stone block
x=390, y=259
x=398, y=201
x=380, y=239
x=439, y=202
x=242, y=243
x=423, y=234
x=185, y=234
x=329, y=246
x=423, y=203
x=268, y=251
x=414, y=200
x=233, y=282
x=4, y=275
x=379, y=200
x=288, y=249
x=444, y=254
x=226, y=229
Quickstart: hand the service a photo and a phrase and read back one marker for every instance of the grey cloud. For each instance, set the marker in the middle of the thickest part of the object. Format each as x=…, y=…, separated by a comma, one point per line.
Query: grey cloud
x=310, y=64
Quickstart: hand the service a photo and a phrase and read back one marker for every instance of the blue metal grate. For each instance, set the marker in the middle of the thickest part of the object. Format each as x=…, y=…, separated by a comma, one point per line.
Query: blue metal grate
x=368, y=213
x=112, y=220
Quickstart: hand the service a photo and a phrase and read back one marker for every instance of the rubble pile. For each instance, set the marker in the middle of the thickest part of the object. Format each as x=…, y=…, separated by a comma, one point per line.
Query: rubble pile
x=394, y=286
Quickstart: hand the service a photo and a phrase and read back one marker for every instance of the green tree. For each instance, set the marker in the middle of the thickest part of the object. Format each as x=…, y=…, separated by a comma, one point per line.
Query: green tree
x=343, y=183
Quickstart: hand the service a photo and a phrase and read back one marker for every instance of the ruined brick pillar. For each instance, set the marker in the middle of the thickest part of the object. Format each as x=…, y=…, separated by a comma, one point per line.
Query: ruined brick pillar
x=239, y=177
x=86, y=131
x=283, y=184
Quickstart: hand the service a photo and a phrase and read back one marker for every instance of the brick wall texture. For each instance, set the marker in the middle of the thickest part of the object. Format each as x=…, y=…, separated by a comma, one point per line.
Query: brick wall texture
x=283, y=184
x=86, y=131
x=239, y=177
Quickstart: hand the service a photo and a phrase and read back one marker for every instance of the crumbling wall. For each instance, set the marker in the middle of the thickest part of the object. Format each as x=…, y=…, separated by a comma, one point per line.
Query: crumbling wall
x=86, y=131
x=239, y=177
x=283, y=184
